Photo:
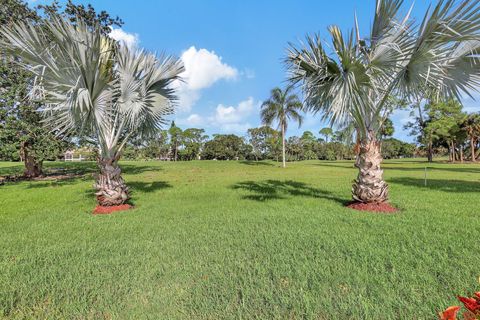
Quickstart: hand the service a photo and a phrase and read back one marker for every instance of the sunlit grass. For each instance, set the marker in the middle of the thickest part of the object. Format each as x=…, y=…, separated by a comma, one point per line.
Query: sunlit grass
x=222, y=240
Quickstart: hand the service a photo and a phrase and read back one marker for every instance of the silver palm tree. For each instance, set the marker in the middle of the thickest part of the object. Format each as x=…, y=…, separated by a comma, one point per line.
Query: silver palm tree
x=361, y=77
x=94, y=88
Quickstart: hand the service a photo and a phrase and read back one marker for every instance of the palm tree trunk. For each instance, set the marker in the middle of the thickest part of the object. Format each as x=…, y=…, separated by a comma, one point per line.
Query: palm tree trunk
x=369, y=187
x=283, y=145
x=110, y=186
x=472, y=148
x=461, y=154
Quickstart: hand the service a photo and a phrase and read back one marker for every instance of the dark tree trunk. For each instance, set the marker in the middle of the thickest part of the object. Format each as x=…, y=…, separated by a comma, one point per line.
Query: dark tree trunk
x=452, y=152
x=461, y=154
x=110, y=186
x=369, y=187
x=33, y=167
x=430, y=151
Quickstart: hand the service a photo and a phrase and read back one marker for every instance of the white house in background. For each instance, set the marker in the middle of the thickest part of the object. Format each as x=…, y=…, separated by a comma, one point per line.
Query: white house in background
x=71, y=155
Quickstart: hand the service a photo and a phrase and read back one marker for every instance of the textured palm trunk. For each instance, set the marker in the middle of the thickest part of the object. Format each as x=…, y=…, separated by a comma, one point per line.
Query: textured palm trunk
x=369, y=187
x=110, y=186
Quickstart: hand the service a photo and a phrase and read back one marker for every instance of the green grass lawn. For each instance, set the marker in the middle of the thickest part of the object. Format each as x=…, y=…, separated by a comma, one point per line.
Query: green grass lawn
x=240, y=240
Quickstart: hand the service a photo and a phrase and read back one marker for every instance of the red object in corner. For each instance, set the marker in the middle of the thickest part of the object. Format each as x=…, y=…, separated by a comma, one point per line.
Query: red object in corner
x=450, y=313
x=111, y=209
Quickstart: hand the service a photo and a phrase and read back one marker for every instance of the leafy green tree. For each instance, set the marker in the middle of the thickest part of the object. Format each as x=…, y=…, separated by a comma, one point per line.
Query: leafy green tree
x=309, y=142
x=295, y=148
x=281, y=108
x=175, y=134
x=387, y=129
x=398, y=58
x=226, y=147
x=96, y=89
x=73, y=12
x=193, y=140
x=444, y=121
x=263, y=141
x=471, y=126
x=21, y=135
x=327, y=132
x=394, y=148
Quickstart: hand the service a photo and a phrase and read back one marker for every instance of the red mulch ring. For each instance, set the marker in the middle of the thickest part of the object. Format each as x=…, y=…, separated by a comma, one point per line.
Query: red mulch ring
x=373, y=207
x=111, y=209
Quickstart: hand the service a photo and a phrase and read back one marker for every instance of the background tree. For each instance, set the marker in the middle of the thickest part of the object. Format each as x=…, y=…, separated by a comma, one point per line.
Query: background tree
x=327, y=132
x=193, y=140
x=226, y=147
x=387, y=129
x=96, y=89
x=261, y=140
x=471, y=126
x=399, y=58
x=175, y=134
x=21, y=135
x=75, y=12
x=281, y=108
x=443, y=125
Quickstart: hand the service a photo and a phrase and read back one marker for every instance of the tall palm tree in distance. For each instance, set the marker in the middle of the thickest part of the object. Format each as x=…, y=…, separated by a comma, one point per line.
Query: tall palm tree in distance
x=359, y=78
x=281, y=107
x=93, y=88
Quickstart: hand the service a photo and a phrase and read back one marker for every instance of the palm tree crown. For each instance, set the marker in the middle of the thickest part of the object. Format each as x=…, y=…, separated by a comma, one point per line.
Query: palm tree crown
x=94, y=88
x=359, y=81
x=282, y=107
x=398, y=58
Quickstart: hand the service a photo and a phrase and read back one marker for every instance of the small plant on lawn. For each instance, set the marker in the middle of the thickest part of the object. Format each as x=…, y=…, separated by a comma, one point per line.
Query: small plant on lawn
x=96, y=89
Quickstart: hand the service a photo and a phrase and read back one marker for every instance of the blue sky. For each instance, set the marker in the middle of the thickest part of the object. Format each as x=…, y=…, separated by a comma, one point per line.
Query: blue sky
x=233, y=50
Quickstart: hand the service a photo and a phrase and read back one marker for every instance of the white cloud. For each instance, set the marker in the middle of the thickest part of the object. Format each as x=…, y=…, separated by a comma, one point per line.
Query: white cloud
x=231, y=114
x=131, y=40
x=233, y=119
x=225, y=119
x=192, y=121
x=203, y=68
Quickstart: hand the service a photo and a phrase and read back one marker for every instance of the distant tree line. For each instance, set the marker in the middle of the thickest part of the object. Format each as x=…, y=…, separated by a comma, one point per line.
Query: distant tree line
x=262, y=143
x=444, y=128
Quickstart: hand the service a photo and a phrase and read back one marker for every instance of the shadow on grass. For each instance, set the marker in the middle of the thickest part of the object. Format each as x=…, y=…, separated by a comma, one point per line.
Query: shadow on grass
x=459, y=186
x=276, y=190
x=148, y=187
x=256, y=163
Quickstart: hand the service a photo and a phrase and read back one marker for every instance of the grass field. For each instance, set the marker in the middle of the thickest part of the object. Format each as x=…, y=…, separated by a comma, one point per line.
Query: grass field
x=240, y=240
